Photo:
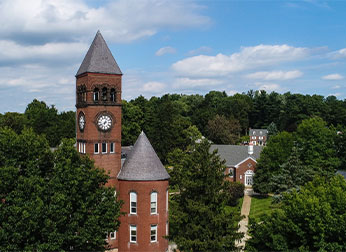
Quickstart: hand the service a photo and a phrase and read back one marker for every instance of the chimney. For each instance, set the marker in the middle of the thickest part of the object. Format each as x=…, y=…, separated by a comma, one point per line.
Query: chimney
x=250, y=148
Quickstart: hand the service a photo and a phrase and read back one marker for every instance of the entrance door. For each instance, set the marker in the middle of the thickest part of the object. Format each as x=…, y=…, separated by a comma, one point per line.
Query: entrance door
x=249, y=178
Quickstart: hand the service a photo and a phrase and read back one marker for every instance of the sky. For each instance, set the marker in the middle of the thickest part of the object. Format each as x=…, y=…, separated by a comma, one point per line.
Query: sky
x=165, y=46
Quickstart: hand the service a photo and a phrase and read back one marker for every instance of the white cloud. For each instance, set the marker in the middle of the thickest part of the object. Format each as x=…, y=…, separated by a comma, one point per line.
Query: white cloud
x=269, y=87
x=153, y=87
x=12, y=51
x=332, y=77
x=275, y=75
x=165, y=50
x=120, y=21
x=247, y=58
x=336, y=87
x=200, y=50
x=193, y=83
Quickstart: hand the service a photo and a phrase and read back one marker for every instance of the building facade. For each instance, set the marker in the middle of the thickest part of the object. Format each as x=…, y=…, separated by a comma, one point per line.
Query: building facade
x=258, y=136
x=141, y=181
x=240, y=161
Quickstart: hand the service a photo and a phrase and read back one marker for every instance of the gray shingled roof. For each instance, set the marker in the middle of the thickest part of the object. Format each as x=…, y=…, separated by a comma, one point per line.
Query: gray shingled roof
x=99, y=58
x=258, y=132
x=234, y=154
x=143, y=164
x=342, y=173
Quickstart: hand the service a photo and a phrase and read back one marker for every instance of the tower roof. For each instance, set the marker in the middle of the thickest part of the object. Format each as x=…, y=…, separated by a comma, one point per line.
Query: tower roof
x=99, y=58
x=143, y=163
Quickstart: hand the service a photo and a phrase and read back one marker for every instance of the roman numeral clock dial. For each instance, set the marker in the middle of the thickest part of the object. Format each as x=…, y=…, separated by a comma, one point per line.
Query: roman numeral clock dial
x=104, y=122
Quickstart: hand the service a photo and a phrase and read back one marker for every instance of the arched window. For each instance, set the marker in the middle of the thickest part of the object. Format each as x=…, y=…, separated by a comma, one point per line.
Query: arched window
x=96, y=94
x=153, y=203
x=133, y=203
x=104, y=94
x=112, y=95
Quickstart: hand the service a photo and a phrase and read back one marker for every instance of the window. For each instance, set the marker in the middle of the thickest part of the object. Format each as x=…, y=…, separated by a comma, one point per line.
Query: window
x=167, y=228
x=153, y=233
x=81, y=147
x=261, y=137
x=153, y=203
x=133, y=233
x=96, y=94
x=84, y=93
x=113, y=235
x=167, y=199
x=133, y=203
x=104, y=94
x=253, y=137
x=112, y=148
x=254, y=132
x=241, y=176
x=104, y=147
x=112, y=95
x=231, y=172
x=249, y=165
x=96, y=148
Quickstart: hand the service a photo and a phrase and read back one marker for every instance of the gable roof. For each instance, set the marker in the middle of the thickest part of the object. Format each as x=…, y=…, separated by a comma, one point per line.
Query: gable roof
x=258, y=132
x=99, y=58
x=235, y=154
x=142, y=163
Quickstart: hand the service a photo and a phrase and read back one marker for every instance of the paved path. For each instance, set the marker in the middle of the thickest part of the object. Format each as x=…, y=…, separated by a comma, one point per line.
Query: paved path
x=245, y=210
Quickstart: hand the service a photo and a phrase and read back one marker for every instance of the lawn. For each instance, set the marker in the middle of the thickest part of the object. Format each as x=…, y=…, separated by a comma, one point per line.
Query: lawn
x=261, y=205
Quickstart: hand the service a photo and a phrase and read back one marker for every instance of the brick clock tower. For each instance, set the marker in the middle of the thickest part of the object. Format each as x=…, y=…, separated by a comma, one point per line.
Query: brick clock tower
x=141, y=180
x=98, y=105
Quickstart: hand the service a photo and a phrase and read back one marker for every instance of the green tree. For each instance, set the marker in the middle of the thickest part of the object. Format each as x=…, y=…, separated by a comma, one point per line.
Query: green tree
x=223, y=131
x=52, y=201
x=312, y=219
x=131, y=123
x=275, y=154
x=13, y=120
x=198, y=220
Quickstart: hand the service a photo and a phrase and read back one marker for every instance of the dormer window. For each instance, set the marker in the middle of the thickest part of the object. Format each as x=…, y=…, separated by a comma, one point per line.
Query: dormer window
x=112, y=95
x=96, y=94
x=104, y=94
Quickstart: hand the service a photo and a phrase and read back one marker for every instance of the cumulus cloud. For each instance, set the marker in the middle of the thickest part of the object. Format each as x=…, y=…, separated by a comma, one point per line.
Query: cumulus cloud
x=269, y=87
x=165, y=50
x=192, y=83
x=333, y=77
x=200, y=50
x=247, y=58
x=153, y=87
x=339, y=54
x=275, y=75
x=120, y=21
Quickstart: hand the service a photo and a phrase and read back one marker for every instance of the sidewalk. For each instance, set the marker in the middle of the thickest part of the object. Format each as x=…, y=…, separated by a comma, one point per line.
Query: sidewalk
x=245, y=210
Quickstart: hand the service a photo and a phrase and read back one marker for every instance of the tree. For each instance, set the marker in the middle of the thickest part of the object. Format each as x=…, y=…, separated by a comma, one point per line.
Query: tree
x=131, y=123
x=312, y=219
x=52, y=201
x=223, y=131
x=272, y=130
x=275, y=154
x=198, y=220
x=13, y=120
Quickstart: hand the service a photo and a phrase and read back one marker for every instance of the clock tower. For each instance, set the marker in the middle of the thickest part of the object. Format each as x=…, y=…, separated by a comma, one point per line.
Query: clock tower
x=98, y=103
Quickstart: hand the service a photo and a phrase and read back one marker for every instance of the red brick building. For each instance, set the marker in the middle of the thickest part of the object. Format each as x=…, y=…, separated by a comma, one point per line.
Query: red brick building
x=258, y=136
x=141, y=181
x=240, y=161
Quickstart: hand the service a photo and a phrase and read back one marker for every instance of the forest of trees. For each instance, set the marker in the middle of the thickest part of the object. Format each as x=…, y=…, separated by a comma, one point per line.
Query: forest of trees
x=221, y=118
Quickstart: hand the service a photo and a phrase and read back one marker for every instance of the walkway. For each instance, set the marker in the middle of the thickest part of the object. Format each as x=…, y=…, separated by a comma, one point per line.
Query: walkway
x=245, y=210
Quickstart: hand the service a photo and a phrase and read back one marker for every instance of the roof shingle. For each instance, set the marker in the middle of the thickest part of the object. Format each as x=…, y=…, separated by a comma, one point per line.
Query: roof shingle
x=143, y=164
x=99, y=58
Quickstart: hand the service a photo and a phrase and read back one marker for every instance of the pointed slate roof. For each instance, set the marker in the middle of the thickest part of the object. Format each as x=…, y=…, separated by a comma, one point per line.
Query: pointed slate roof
x=143, y=164
x=99, y=58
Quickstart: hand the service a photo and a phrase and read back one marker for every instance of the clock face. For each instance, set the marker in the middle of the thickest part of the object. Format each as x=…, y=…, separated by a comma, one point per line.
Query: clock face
x=104, y=122
x=81, y=122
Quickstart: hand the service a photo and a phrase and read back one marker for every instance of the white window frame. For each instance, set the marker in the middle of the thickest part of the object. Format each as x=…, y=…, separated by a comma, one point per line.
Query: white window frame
x=167, y=229
x=103, y=144
x=134, y=229
x=167, y=200
x=98, y=148
x=113, y=235
x=79, y=147
x=133, y=199
x=112, y=146
x=84, y=148
x=153, y=233
x=153, y=203
x=231, y=172
x=96, y=93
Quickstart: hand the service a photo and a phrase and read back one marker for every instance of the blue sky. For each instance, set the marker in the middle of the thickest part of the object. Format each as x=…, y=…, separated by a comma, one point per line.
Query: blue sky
x=165, y=46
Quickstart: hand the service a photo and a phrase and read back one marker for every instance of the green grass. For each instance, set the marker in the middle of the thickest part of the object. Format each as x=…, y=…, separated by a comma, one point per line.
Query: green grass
x=261, y=205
